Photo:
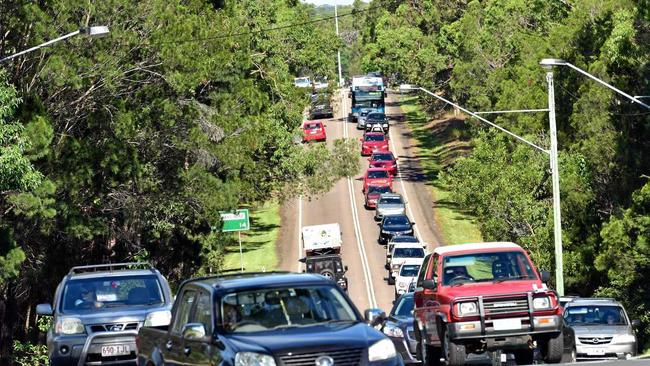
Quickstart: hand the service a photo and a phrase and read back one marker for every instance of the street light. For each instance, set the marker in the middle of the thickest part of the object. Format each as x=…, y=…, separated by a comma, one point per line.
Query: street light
x=92, y=32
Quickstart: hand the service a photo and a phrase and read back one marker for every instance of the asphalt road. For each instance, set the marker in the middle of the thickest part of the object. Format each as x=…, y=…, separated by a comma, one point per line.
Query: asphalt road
x=345, y=204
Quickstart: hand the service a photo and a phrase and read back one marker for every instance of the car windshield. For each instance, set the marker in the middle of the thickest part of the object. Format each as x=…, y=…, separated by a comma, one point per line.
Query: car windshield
x=409, y=270
x=404, y=306
x=396, y=220
x=268, y=309
x=595, y=315
x=382, y=157
x=107, y=293
x=311, y=126
x=483, y=267
x=376, y=116
x=377, y=174
x=379, y=189
x=391, y=200
x=408, y=253
x=377, y=137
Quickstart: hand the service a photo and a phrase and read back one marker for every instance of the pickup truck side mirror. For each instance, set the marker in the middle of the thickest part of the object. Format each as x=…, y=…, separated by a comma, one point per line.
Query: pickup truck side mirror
x=429, y=284
x=44, y=309
x=545, y=275
x=374, y=316
x=192, y=331
x=345, y=268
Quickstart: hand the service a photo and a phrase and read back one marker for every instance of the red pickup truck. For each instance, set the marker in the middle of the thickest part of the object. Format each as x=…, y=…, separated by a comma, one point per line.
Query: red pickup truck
x=472, y=298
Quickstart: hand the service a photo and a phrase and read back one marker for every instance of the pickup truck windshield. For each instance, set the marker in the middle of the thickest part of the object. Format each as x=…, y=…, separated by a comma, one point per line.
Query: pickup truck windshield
x=269, y=309
x=484, y=267
x=108, y=293
x=595, y=315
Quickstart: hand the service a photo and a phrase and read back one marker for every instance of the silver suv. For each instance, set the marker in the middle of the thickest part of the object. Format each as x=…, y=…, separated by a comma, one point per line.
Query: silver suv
x=602, y=328
x=98, y=310
x=390, y=204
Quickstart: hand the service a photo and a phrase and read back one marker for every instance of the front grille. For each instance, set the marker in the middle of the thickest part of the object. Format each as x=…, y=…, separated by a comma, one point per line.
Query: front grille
x=341, y=357
x=113, y=327
x=505, y=306
x=595, y=340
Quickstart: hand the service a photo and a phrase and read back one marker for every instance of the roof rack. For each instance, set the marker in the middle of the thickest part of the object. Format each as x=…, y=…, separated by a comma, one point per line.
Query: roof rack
x=228, y=275
x=588, y=299
x=111, y=267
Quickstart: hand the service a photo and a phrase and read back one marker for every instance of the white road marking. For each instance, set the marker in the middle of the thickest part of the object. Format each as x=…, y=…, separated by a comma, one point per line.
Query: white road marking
x=357, y=227
x=401, y=180
x=299, y=233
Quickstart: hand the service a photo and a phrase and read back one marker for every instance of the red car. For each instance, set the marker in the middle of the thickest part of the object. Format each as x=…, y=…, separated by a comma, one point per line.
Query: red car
x=313, y=131
x=372, y=194
x=373, y=141
x=376, y=177
x=384, y=160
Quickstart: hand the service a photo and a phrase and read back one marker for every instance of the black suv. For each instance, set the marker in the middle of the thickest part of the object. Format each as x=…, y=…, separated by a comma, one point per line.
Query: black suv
x=266, y=319
x=328, y=265
x=377, y=119
x=393, y=225
x=320, y=106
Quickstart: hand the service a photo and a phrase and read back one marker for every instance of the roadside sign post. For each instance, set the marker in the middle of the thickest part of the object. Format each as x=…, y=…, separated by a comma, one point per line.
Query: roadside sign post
x=238, y=220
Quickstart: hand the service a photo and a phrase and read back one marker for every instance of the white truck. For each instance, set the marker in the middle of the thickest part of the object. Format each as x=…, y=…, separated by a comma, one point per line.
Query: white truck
x=322, y=247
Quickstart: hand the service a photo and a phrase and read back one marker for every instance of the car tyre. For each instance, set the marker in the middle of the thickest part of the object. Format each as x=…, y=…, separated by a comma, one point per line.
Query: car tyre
x=524, y=356
x=429, y=355
x=553, y=349
x=570, y=357
x=454, y=353
x=391, y=279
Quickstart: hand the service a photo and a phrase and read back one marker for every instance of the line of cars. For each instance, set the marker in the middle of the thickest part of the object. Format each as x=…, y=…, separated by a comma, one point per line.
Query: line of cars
x=125, y=314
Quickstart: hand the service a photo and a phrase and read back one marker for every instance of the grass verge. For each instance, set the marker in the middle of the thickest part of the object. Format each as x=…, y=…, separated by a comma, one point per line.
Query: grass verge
x=258, y=244
x=438, y=142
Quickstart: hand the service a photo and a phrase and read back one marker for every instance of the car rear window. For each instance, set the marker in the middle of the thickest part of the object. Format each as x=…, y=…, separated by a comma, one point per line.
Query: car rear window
x=311, y=126
x=374, y=138
x=382, y=157
x=378, y=189
x=390, y=200
x=408, y=253
x=378, y=174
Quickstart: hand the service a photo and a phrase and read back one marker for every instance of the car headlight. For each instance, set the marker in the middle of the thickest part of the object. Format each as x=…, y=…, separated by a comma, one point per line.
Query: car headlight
x=382, y=350
x=69, y=326
x=624, y=339
x=385, y=232
x=467, y=308
x=392, y=330
x=542, y=303
x=253, y=359
x=158, y=318
x=385, y=125
x=396, y=266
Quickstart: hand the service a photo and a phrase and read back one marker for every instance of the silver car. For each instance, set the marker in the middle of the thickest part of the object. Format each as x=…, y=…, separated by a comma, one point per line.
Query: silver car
x=390, y=204
x=602, y=329
x=361, y=119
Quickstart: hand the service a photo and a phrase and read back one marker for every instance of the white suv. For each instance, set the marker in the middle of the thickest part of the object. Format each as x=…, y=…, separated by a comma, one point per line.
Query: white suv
x=406, y=274
x=400, y=254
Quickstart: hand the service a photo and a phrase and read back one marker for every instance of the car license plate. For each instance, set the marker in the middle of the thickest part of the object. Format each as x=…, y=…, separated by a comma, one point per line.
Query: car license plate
x=506, y=324
x=119, y=350
x=596, y=352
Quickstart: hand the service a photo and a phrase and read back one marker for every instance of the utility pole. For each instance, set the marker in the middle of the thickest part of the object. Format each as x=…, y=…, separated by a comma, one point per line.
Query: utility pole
x=555, y=178
x=338, y=52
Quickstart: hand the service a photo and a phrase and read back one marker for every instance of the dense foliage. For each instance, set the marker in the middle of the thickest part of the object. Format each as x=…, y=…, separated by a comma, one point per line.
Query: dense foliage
x=485, y=55
x=126, y=147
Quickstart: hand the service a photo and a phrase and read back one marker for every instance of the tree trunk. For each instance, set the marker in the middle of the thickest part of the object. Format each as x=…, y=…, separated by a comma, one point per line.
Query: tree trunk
x=8, y=316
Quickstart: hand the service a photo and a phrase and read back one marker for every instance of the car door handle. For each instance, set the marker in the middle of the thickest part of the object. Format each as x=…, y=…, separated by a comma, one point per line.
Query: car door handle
x=187, y=351
x=169, y=345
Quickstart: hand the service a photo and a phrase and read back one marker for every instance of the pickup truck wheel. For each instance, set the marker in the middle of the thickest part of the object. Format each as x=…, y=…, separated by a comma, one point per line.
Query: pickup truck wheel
x=553, y=348
x=454, y=353
x=524, y=356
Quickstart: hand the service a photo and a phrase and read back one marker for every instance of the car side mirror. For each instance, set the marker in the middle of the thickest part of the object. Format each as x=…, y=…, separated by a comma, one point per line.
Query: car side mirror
x=303, y=260
x=636, y=323
x=374, y=316
x=429, y=284
x=193, y=331
x=412, y=222
x=361, y=140
x=545, y=275
x=44, y=309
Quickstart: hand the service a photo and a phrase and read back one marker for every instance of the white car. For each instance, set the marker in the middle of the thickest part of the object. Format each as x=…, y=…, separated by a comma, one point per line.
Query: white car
x=400, y=254
x=407, y=274
x=401, y=239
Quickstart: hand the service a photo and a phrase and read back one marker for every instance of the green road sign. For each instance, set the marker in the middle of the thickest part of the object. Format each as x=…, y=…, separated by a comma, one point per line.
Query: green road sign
x=235, y=221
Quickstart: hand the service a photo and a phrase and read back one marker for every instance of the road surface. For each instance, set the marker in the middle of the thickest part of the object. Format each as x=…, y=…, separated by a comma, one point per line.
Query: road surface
x=345, y=204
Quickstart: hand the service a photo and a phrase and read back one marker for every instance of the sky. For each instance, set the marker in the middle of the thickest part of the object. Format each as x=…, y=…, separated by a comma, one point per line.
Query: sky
x=330, y=2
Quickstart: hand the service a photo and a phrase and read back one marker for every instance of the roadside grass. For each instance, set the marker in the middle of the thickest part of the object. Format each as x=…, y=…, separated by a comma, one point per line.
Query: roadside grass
x=439, y=141
x=258, y=244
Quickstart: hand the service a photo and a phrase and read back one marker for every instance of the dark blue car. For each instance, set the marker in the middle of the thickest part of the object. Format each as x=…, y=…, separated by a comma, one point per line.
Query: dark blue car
x=399, y=327
x=266, y=319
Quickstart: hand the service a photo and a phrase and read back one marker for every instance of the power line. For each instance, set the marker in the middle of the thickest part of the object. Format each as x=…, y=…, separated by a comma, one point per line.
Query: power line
x=292, y=25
